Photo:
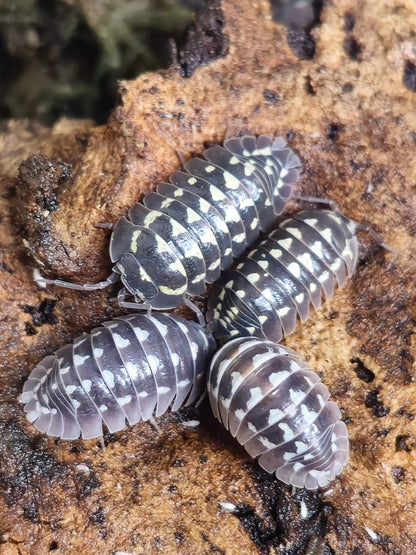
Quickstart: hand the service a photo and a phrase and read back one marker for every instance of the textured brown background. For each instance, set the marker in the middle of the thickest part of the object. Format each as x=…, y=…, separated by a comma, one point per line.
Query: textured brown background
x=349, y=115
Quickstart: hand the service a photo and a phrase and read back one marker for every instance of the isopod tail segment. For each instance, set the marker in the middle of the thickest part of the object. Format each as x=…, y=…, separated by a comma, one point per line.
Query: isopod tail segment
x=276, y=282
x=333, y=205
x=186, y=231
x=277, y=408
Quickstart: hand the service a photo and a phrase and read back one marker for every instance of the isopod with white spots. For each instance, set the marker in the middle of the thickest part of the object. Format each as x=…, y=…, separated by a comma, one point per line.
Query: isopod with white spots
x=276, y=282
x=184, y=233
x=127, y=370
x=278, y=410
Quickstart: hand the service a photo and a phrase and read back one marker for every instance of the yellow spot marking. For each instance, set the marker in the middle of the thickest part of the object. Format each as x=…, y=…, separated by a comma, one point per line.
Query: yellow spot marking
x=231, y=181
x=248, y=169
x=168, y=291
x=151, y=217
x=192, y=216
x=166, y=202
x=134, y=240
x=162, y=246
x=216, y=194
x=286, y=243
x=295, y=232
x=144, y=275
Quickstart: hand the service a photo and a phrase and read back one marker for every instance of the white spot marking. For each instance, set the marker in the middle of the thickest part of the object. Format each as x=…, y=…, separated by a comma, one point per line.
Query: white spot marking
x=307, y=261
x=282, y=312
x=175, y=358
x=239, y=238
x=266, y=442
x=327, y=234
x=108, y=378
x=311, y=221
x=86, y=384
x=163, y=390
x=216, y=194
x=256, y=395
x=274, y=416
x=300, y=298
x=296, y=396
x=278, y=377
x=141, y=335
x=286, y=243
x=214, y=265
x=199, y=278
x=239, y=414
x=287, y=431
x=192, y=216
x=276, y=253
x=120, y=341
x=253, y=278
x=231, y=181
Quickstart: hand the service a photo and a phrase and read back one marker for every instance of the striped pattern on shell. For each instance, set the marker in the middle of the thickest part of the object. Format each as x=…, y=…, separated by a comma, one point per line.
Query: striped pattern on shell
x=277, y=408
x=182, y=235
x=276, y=282
x=123, y=371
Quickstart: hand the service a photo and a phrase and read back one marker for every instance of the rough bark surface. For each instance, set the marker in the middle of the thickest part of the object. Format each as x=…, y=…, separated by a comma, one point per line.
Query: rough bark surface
x=350, y=114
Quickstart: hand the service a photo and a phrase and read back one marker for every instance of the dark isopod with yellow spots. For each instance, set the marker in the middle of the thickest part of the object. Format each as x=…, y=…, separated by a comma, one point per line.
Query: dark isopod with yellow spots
x=275, y=283
x=277, y=408
x=182, y=235
x=122, y=372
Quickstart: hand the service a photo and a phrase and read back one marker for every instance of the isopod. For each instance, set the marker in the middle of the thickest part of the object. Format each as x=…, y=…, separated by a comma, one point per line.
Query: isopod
x=123, y=371
x=277, y=281
x=278, y=410
x=182, y=235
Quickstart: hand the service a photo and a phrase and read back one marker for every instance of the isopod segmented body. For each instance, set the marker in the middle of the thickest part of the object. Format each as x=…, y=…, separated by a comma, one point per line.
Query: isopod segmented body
x=277, y=281
x=277, y=408
x=123, y=371
x=182, y=235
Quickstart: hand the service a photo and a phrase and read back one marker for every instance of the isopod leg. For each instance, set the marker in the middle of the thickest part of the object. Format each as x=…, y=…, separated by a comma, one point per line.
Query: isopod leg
x=43, y=282
x=195, y=309
x=317, y=200
x=378, y=238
